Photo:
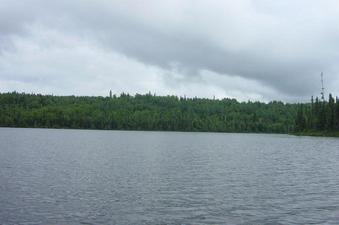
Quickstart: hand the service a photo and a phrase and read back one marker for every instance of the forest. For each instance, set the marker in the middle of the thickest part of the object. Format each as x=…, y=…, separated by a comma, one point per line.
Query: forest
x=320, y=117
x=167, y=113
x=145, y=112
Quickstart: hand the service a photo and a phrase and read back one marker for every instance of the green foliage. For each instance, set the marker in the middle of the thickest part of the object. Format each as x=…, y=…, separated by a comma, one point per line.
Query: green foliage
x=319, y=117
x=145, y=112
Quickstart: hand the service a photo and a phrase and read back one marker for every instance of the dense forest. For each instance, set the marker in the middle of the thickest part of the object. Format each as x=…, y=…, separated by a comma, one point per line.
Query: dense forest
x=318, y=117
x=168, y=113
x=145, y=112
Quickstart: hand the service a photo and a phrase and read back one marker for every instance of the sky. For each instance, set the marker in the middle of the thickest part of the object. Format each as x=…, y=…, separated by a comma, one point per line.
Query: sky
x=258, y=50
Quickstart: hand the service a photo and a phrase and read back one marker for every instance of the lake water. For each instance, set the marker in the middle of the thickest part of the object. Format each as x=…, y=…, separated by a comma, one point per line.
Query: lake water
x=123, y=177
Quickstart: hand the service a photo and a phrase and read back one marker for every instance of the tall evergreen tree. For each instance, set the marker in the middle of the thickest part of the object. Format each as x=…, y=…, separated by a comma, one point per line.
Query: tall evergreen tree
x=300, y=119
x=330, y=113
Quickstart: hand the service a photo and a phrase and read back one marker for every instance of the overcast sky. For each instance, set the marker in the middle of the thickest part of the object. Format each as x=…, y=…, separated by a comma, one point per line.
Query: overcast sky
x=245, y=49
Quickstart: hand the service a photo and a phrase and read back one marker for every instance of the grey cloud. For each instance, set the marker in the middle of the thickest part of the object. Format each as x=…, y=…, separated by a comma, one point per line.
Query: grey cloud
x=282, y=45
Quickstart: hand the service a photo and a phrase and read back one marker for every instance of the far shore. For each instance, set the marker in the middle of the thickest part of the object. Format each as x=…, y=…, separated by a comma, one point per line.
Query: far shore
x=304, y=133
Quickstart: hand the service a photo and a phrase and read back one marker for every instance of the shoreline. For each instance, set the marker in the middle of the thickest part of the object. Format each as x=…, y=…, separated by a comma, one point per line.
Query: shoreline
x=300, y=134
x=317, y=133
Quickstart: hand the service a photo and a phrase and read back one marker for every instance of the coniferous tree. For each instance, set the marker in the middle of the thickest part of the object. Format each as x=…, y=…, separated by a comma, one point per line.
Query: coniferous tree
x=330, y=113
x=337, y=114
x=320, y=116
x=300, y=119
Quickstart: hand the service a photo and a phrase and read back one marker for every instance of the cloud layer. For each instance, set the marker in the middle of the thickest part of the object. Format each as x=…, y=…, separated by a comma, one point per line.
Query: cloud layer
x=258, y=50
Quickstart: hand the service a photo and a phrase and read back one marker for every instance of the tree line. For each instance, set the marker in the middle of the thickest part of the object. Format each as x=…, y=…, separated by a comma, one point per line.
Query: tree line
x=147, y=112
x=318, y=116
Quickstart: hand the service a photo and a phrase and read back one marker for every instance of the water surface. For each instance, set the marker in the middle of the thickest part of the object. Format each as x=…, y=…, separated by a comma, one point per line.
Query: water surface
x=121, y=177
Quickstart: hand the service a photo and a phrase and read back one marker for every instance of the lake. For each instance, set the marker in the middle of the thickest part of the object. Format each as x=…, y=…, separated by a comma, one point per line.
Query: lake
x=52, y=176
